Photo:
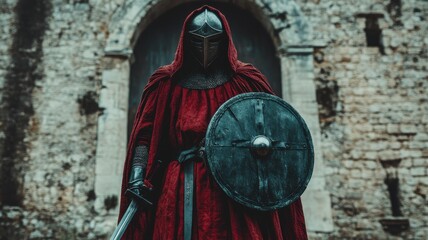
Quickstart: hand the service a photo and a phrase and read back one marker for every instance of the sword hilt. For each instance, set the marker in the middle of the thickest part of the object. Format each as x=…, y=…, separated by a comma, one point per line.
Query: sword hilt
x=141, y=196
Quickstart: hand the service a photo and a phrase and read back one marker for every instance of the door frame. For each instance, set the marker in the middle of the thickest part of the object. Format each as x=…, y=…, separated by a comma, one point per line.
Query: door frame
x=292, y=36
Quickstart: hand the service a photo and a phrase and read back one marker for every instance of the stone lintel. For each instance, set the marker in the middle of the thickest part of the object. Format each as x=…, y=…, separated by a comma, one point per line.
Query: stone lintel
x=301, y=49
x=296, y=49
x=118, y=52
x=369, y=14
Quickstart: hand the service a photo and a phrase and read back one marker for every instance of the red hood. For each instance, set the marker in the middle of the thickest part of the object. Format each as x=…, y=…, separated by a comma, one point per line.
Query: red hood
x=152, y=119
x=151, y=112
x=179, y=54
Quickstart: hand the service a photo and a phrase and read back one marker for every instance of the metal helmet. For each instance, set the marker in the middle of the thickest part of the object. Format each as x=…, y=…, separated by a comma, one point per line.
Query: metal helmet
x=205, y=35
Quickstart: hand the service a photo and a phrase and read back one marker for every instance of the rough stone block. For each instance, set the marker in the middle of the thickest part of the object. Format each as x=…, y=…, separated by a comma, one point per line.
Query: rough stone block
x=418, y=171
x=411, y=153
x=420, y=162
x=367, y=174
x=417, y=145
x=364, y=224
x=356, y=173
x=421, y=136
x=371, y=164
x=371, y=155
x=393, y=128
x=423, y=180
x=395, y=145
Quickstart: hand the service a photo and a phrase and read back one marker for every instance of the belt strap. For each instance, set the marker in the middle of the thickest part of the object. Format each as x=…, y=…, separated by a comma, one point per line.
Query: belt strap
x=183, y=158
x=188, y=199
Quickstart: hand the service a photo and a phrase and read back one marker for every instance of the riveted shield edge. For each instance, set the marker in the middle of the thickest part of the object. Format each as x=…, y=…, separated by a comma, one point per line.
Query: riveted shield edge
x=216, y=172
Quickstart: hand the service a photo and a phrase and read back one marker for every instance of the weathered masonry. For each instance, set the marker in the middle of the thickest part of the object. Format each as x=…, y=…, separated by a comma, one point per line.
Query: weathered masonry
x=292, y=37
x=71, y=72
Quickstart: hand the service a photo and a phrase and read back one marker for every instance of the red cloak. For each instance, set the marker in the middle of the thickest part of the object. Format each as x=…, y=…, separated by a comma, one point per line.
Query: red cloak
x=171, y=118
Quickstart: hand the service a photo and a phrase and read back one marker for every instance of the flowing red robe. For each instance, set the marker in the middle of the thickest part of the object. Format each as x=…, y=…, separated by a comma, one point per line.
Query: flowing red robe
x=171, y=118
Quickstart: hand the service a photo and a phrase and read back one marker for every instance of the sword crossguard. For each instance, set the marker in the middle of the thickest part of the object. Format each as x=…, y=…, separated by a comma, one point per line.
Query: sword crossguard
x=142, y=196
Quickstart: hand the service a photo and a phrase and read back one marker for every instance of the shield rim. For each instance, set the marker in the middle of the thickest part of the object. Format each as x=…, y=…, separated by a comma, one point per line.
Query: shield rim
x=228, y=190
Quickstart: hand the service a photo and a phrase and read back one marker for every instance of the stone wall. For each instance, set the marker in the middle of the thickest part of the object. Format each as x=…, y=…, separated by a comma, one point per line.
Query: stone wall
x=373, y=114
x=57, y=169
x=372, y=109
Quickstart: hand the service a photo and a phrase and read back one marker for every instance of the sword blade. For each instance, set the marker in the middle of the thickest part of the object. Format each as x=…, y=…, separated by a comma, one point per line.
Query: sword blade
x=124, y=222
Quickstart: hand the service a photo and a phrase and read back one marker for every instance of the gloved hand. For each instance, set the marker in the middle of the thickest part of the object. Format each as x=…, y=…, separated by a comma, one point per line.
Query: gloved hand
x=138, y=168
x=135, y=184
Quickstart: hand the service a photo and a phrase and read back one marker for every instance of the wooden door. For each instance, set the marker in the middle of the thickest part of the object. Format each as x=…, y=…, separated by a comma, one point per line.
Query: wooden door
x=157, y=44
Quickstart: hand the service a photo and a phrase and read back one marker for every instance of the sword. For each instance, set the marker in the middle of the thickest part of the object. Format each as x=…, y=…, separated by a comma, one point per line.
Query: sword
x=139, y=200
x=124, y=222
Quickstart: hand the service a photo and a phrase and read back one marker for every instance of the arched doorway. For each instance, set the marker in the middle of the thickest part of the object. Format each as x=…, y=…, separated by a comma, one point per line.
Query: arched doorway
x=292, y=36
x=157, y=44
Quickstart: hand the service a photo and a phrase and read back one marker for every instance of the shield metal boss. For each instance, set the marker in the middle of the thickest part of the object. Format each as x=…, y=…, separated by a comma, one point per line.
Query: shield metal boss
x=259, y=150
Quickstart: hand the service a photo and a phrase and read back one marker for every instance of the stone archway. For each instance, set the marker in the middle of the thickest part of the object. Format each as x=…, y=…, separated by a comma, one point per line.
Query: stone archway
x=291, y=35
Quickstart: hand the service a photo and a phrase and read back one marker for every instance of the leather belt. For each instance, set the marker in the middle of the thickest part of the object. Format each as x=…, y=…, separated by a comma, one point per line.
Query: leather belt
x=195, y=153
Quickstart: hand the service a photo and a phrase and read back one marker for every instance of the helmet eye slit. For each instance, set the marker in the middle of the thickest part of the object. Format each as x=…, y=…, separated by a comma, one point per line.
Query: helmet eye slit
x=205, y=34
x=196, y=43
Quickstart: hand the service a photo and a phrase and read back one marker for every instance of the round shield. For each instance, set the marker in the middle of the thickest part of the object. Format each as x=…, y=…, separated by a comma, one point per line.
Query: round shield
x=259, y=150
